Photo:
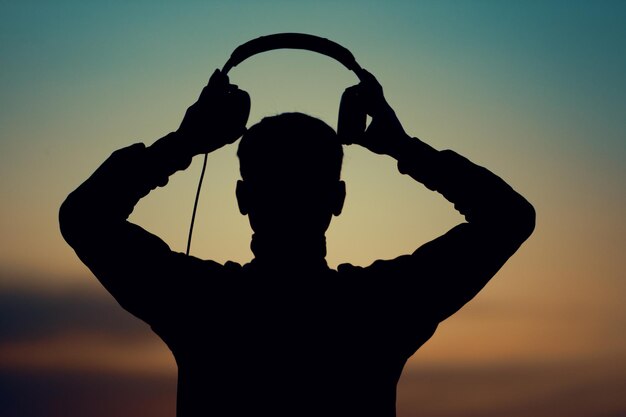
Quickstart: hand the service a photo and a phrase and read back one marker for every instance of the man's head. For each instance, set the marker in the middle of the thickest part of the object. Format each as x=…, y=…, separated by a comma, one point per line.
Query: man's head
x=290, y=167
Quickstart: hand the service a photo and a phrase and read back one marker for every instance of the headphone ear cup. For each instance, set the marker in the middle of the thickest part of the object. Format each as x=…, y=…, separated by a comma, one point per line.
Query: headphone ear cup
x=352, y=116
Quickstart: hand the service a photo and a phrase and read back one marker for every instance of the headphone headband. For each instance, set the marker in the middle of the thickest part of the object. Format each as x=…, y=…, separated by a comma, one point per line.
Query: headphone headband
x=293, y=41
x=348, y=122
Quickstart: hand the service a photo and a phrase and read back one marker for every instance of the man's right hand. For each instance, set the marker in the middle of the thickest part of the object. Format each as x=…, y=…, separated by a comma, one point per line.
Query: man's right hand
x=218, y=117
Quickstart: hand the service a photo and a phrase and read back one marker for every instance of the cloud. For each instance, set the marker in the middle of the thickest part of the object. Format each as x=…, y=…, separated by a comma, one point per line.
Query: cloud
x=29, y=315
x=558, y=389
x=78, y=331
x=513, y=391
x=72, y=394
x=79, y=353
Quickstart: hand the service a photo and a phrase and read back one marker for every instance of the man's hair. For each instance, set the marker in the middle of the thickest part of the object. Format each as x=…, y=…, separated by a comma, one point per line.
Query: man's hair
x=290, y=145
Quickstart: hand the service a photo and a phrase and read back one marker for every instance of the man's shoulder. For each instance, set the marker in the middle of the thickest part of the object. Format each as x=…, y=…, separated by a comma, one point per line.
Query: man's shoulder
x=379, y=266
x=191, y=266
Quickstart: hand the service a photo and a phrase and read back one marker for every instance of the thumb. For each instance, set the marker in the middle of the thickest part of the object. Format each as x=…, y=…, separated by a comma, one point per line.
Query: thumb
x=218, y=77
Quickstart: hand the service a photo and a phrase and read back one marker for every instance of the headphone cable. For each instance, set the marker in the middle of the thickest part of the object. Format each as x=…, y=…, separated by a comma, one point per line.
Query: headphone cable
x=195, y=204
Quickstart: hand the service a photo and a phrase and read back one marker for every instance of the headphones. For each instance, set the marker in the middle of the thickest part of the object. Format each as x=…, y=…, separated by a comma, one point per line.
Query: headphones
x=352, y=116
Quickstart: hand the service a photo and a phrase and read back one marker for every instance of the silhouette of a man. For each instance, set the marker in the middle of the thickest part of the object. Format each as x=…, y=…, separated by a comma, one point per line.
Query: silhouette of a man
x=285, y=335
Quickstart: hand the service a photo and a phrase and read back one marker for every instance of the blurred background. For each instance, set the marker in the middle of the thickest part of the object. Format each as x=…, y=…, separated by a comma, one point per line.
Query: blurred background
x=535, y=91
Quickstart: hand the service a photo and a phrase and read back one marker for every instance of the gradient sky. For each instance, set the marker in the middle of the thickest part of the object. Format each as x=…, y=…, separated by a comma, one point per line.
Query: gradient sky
x=535, y=91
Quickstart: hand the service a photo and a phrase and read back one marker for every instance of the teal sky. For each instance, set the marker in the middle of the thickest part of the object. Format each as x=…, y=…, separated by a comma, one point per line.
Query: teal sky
x=80, y=79
x=533, y=90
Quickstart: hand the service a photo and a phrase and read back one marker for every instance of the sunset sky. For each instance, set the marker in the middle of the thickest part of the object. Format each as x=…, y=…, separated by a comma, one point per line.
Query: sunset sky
x=534, y=90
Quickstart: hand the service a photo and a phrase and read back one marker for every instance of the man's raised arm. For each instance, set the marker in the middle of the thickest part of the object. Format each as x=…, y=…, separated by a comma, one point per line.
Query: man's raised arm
x=449, y=271
x=137, y=267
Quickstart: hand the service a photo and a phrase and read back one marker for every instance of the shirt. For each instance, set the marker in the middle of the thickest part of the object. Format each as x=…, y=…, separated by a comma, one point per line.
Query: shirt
x=252, y=340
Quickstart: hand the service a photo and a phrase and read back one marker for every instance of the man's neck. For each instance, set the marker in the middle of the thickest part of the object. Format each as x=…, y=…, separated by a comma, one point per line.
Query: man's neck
x=289, y=251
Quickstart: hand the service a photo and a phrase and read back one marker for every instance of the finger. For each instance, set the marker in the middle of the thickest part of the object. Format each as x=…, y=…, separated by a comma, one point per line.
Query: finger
x=371, y=84
x=208, y=91
x=218, y=78
x=369, y=77
x=353, y=139
x=237, y=96
x=239, y=134
x=218, y=85
x=353, y=91
x=233, y=135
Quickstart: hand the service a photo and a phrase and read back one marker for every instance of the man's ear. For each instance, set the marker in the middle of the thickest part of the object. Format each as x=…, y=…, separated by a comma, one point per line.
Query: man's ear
x=339, y=197
x=243, y=197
